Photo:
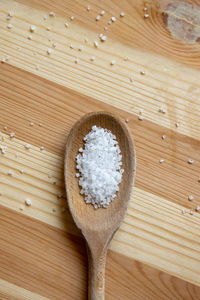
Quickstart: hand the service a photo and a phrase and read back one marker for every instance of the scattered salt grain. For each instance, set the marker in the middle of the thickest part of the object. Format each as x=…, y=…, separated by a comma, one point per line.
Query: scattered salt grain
x=122, y=14
x=125, y=58
x=9, y=26
x=28, y=202
x=98, y=18
x=3, y=60
x=49, y=51
x=66, y=25
x=177, y=124
x=88, y=8
x=31, y=124
x=145, y=9
x=198, y=208
x=162, y=110
x=164, y=136
x=140, y=118
x=105, y=28
x=10, y=173
x=72, y=18
x=190, y=161
x=80, y=48
x=112, y=62
x=30, y=37
x=161, y=160
x=32, y=28
x=183, y=211
x=190, y=198
x=127, y=120
x=27, y=146
x=42, y=148
x=191, y=211
x=103, y=38
x=113, y=19
x=96, y=44
x=54, y=45
x=10, y=14
x=21, y=171
x=146, y=16
x=52, y=14
x=5, y=127
x=92, y=58
x=12, y=134
x=142, y=72
x=76, y=60
x=40, y=124
x=109, y=22
x=102, y=12
x=71, y=46
x=99, y=166
x=77, y=175
x=48, y=28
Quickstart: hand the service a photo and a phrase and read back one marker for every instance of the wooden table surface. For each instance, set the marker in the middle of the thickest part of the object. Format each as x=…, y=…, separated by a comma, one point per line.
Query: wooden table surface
x=156, y=253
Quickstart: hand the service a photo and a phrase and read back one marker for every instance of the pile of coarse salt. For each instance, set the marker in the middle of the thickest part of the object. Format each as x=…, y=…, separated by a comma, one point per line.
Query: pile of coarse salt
x=99, y=165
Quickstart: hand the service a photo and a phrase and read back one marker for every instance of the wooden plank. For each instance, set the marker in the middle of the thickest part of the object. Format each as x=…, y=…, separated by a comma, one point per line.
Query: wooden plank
x=14, y=292
x=54, y=263
x=154, y=230
x=166, y=83
x=139, y=29
x=24, y=99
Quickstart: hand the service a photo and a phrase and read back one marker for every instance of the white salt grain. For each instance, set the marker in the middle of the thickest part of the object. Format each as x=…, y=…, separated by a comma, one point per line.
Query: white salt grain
x=12, y=134
x=99, y=167
x=28, y=202
x=72, y=18
x=98, y=18
x=52, y=14
x=30, y=37
x=112, y=62
x=113, y=19
x=198, y=208
x=96, y=44
x=102, y=12
x=49, y=51
x=80, y=48
x=190, y=161
x=142, y=72
x=190, y=198
x=21, y=207
x=32, y=28
x=10, y=14
x=146, y=16
x=122, y=14
x=140, y=118
x=92, y=58
x=191, y=211
x=42, y=148
x=76, y=60
x=66, y=25
x=27, y=146
x=9, y=26
x=31, y=124
x=88, y=8
x=10, y=173
x=164, y=136
x=161, y=160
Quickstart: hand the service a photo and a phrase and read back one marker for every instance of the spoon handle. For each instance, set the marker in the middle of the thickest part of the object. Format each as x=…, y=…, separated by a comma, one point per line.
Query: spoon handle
x=96, y=275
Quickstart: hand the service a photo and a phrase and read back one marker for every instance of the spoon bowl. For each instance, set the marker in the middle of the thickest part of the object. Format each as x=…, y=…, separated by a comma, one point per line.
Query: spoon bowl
x=98, y=225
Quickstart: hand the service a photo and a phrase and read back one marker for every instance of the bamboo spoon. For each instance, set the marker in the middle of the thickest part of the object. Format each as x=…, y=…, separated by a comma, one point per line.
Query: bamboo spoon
x=98, y=226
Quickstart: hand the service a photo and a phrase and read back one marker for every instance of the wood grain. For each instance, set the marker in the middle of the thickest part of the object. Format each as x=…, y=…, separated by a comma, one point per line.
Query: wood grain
x=103, y=223
x=153, y=227
x=53, y=90
x=177, y=179
x=147, y=34
x=54, y=264
x=166, y=83
x=14, y=292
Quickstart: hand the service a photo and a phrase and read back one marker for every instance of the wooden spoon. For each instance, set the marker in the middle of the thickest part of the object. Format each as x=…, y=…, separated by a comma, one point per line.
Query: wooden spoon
x=98, y=226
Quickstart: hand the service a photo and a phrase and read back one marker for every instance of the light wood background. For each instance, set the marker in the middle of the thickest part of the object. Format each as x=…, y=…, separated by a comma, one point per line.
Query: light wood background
x=156, y=253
